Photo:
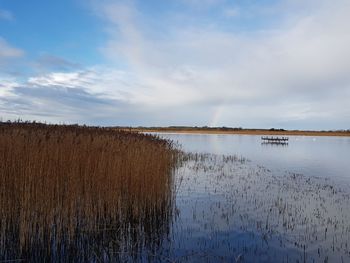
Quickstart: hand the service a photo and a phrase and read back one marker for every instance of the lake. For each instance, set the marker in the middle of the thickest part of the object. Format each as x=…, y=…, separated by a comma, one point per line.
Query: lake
x=238, y=200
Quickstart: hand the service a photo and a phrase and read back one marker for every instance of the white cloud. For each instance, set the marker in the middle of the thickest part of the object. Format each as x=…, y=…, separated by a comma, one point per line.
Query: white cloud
x=101, y=81
x=6, y=86
x=309, y=48
x=67, y=97
x=304, y=57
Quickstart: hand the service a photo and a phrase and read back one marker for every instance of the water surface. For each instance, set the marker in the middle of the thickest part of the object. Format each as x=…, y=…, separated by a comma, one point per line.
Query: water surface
x=312, y=156
x=244, y=201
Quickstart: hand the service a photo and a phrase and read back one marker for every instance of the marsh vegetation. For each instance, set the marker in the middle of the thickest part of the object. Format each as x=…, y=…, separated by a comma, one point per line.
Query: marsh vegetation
x=83, y=194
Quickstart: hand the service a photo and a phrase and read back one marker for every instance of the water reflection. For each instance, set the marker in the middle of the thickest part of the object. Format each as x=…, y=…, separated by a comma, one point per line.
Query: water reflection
x=311, y=156
x=234, y=211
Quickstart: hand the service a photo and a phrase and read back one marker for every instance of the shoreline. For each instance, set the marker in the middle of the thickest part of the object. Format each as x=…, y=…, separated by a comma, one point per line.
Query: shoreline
x=242, y=132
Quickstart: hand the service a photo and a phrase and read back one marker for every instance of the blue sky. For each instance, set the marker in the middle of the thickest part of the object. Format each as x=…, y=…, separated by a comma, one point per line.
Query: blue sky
x=63, y=28
x=283, y=64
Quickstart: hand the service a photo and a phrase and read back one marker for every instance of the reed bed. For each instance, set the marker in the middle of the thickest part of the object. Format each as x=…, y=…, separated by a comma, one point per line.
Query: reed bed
x=64, y=189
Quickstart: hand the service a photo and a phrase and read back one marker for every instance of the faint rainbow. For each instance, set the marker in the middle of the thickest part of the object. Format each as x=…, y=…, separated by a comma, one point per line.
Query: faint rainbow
x=216, y=116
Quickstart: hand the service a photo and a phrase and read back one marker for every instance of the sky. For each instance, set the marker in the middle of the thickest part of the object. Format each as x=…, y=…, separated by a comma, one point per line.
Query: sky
x=235, y=63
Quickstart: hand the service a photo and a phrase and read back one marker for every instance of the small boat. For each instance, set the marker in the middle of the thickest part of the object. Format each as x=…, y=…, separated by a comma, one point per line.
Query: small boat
x=275, y=139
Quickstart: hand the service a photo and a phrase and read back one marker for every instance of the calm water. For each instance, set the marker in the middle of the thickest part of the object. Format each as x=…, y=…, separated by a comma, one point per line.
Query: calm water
x=311, y=156
x=248, y=202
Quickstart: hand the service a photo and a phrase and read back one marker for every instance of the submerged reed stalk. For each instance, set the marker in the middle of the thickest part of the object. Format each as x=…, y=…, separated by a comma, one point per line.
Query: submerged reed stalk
x=61, y=183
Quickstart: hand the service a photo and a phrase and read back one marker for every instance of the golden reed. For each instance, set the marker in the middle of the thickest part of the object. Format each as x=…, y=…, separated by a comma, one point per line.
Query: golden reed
x=58, y=182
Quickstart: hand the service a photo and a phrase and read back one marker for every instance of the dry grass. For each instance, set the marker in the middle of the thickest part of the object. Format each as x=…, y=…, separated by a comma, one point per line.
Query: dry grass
x=57, y=182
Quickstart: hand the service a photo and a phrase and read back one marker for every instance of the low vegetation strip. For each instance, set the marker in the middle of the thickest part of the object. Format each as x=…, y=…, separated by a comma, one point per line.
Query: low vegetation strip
x=58, y=182
x=241, y=131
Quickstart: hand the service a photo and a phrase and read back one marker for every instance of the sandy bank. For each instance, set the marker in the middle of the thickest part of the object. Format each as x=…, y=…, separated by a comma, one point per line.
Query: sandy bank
x=241, y=132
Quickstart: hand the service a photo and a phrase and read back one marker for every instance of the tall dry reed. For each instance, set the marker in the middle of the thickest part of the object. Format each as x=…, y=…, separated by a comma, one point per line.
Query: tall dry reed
x=60, y=183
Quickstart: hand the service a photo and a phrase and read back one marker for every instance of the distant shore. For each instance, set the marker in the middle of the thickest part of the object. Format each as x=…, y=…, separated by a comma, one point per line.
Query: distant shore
x=237, y=131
